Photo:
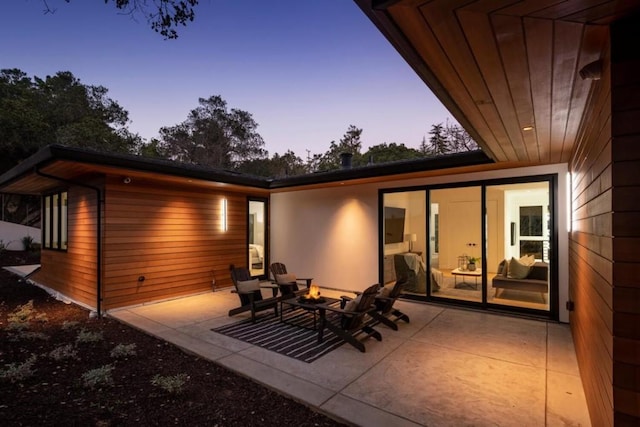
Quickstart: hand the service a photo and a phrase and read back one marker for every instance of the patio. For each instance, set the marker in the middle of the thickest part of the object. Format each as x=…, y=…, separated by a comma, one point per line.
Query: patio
x=447, y=367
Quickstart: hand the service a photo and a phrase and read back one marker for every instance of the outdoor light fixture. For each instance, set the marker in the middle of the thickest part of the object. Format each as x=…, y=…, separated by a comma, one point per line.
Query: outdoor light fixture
x=569, y=197
x=223, y=215
x=592, y=71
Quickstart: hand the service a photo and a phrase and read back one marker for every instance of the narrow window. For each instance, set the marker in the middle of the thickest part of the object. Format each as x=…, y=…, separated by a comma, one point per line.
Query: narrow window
x=54, y=223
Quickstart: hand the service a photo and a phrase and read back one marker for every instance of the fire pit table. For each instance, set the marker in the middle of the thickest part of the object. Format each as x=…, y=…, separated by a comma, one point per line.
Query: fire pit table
x=312, y=305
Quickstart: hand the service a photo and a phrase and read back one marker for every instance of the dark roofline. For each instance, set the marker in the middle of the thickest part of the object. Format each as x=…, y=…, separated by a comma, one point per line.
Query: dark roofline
x=59, y=152
x=470, y=158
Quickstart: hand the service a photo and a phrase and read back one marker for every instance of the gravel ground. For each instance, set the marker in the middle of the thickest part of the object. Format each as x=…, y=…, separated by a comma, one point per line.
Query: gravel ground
x=59, y=367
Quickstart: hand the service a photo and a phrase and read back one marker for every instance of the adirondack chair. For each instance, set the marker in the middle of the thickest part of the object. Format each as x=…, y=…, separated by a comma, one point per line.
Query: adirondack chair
x=385, y=313
x=248, y=290
x=288, y=283
x=353, y=318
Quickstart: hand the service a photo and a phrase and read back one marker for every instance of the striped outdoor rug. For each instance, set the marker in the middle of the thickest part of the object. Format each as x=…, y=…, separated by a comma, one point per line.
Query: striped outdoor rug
x=292, y=337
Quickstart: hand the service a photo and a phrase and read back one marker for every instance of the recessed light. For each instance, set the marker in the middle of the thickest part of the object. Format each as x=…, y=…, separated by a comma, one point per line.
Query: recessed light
x=527, y=128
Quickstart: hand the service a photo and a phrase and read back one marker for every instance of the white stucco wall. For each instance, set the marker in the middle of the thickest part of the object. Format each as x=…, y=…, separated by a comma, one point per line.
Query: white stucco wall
x=332, y=234
x=11, y=235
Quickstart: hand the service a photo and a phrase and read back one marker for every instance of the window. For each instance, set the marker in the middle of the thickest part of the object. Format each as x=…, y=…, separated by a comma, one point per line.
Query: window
x=54, y=224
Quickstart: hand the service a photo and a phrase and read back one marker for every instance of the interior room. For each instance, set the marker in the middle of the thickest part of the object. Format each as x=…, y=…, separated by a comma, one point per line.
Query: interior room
x=257, y=237
x=443, y=250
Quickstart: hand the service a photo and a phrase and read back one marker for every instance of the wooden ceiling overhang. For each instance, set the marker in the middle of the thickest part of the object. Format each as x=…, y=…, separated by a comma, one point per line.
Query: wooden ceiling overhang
x=507, y=70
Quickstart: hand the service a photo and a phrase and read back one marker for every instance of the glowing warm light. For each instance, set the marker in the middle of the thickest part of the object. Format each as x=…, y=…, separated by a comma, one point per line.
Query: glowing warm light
x=314, y=292
x=527, y=128
x=223, y=215
x=569, y=203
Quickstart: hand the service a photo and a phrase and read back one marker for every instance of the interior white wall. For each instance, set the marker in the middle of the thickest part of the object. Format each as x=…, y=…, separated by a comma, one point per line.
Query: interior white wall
x=332, y=234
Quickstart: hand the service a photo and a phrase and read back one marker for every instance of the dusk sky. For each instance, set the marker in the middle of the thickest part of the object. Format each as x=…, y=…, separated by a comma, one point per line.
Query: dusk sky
x=305, y=69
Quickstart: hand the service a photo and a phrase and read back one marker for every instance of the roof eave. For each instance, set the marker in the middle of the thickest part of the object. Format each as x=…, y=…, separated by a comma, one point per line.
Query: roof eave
x=52, y=153
x=472, y=158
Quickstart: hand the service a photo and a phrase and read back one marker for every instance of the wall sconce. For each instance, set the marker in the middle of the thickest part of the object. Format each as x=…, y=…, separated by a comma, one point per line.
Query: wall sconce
x=592, y=71
x=223, y=215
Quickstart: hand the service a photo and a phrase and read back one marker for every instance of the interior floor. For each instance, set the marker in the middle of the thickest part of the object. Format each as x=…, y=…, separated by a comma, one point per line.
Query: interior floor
x=455, y=288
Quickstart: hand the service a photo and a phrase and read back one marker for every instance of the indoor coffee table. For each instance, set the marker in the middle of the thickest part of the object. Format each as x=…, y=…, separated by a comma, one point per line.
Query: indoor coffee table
x=313, y=307
x=466, y=273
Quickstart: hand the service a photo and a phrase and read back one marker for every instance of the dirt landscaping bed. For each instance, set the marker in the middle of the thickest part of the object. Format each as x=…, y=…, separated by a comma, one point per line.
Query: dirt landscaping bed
x=58, y=366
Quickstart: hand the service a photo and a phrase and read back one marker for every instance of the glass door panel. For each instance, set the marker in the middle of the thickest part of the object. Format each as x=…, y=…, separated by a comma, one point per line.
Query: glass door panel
x=455, y=235
x=518, y=245
x=257, y=237
x=404, y=240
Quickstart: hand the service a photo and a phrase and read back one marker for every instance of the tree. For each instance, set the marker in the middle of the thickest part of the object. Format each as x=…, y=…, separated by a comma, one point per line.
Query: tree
x=349, y=143
x=212, y=136
x=276, y=167
x=446, y=139
x=384, y=153
x=35, y=112
x=459, y=139
x=164, y=16
x=438, y=141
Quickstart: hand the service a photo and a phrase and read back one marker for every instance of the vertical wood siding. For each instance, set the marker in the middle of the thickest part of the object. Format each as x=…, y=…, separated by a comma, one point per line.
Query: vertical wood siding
x=73, y=273
x=172, y=236
x=625, y=223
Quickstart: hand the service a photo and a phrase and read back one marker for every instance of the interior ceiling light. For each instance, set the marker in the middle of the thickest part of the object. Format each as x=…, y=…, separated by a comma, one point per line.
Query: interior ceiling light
x=527, y=128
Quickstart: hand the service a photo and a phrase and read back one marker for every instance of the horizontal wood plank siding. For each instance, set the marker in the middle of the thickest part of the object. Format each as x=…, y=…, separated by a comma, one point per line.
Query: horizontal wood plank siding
x=625, y=125
x=73, y=272
x=591, y=254
x=172, y=237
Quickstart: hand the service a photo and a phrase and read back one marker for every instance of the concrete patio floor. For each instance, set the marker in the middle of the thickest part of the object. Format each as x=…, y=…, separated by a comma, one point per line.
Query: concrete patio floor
x=448, y=367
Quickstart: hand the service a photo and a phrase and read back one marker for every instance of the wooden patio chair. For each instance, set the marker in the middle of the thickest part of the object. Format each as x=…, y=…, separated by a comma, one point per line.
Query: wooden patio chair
x=288, y=283
x=248, y=290
x=354, y=318
x=385, y=299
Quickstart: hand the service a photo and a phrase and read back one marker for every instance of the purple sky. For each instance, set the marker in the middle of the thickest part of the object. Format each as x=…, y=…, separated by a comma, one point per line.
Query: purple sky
x=305, y=69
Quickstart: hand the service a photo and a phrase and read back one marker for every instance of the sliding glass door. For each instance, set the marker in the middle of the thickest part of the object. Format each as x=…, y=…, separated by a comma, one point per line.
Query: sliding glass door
x=487, y=244
x=404, y=240
x=456, y=243
x=519, y=245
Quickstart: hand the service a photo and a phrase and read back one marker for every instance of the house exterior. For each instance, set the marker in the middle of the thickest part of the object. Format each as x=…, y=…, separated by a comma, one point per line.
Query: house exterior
x=553, y=82
x=548, y=89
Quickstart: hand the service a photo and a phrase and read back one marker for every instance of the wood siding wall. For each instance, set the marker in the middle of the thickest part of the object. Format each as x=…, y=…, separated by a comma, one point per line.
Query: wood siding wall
x=73, y=273
x=172, y=237
x=604, y=255
x=625, y=198
x=591, y=253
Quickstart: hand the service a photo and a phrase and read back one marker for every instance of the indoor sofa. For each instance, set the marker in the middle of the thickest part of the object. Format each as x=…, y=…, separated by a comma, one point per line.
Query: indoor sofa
x=536, y=281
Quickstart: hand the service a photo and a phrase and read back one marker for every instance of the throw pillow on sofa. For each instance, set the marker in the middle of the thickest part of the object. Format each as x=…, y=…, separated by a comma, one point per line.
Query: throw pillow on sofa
x=527, y=260
x=503, y=268
x=517, y=270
